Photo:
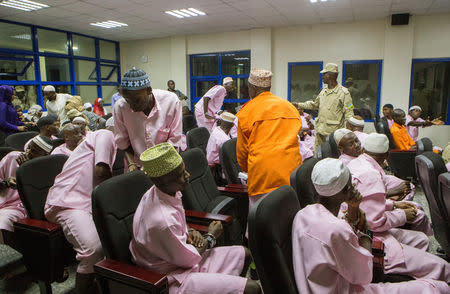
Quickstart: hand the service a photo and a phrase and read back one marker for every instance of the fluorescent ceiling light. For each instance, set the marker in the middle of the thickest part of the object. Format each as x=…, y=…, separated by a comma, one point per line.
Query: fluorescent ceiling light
x=24, y=5
x=23, y=37
x=313, y=1
x=182, y=13
x=109, y=24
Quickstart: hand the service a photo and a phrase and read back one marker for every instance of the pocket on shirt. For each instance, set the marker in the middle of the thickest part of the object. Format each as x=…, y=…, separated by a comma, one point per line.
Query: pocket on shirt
x=162, y=136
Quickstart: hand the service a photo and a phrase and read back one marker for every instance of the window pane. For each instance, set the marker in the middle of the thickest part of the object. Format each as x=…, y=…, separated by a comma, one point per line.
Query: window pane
x=305, y=82
x=52, y=41
x=16, y=67
x=83, y=46
x=205, y=65
x=25, y=96
x=107, y=92
x=87, y=93
x=109, y=71
x=54, y=69
x=361, y=81
x=236, y=64
x=107, y=50
x=15, y=36
x=85, y=71
x=201, y=87
x=431, y=89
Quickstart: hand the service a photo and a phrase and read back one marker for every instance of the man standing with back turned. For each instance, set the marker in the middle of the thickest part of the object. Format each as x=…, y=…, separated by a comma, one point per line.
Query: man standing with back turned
x=267, y=143
x=333, y=102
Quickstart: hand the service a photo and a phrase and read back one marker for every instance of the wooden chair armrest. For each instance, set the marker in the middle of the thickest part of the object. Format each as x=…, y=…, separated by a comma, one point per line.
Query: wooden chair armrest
x=130, y=274
x=231, y=191
x=38, y=225
x=237, y=186
x=201, y=216
x=197, y=227
x=399, y=150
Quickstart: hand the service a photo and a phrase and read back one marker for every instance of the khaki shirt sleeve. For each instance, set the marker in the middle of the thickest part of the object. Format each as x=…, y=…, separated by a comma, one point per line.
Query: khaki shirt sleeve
x=348, y=105
x=311, y=104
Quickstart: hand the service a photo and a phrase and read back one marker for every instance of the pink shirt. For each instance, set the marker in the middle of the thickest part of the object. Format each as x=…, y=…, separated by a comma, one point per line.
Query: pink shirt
x=8, y=167
x=73, y=186
x=326, y=254
x=346, y=158
x=62, y=149
x=163, y=124
x=217, y=95
x=413, y=131
x=361, y=137
x=368, y=180
x=305, y=148
x=216, y=139
x=160, y=236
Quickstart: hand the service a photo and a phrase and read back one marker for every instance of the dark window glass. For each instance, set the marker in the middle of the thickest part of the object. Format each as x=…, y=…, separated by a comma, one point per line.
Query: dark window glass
x=205, y=65
x=305, y=82
x=16, y=67
x=201, y=87
x=236, y=64
x=54, y=69
x=15, y=36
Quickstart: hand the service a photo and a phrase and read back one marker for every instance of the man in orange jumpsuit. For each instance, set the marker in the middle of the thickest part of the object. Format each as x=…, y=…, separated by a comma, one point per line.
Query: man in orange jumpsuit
x=267, y=143
x=402, y=139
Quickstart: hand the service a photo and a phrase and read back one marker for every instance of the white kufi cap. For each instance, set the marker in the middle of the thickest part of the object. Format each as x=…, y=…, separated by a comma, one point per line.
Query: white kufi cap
x=339, y=134
x=376, y=143
x=49, y=88
x=330, y=176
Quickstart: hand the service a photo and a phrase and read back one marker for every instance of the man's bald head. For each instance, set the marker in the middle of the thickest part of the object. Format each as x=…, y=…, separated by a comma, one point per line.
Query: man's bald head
x=398, y=116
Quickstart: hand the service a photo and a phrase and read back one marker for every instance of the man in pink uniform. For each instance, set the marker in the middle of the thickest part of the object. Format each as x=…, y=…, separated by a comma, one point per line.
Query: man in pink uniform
x=356, y=125
x=219, y=135
x=332, y=254
x=162, y=242
x=69, y=201
x=207, y=107
x=145, y=117
x=414, y=122
x=72, y=136
x=11, y=208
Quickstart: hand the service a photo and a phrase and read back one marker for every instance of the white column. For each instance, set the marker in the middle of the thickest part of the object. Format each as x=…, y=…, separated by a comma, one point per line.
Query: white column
x=178, y=63
x=261, y=48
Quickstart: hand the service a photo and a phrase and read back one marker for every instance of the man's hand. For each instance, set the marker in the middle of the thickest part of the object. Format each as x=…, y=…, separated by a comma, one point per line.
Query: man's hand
x=23, y=157
x=215, y=228
x=411, y=214
x=196, y=239
x=437, y=121
x=209, y=116
x=132, y=167
x=356, y=198
x=404, y=205
x=21, y=128
x=12, y=183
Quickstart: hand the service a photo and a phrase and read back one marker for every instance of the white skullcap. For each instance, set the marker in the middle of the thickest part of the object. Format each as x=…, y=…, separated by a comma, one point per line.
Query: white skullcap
x=87, y=105
x=330, y=176
x=227, y=116
x=356, y=122
x=79, y=119
x=339, y=134
x=227, y=80
x=377, y=143
x=415, y=107
x=49, y=88
x=110, y=122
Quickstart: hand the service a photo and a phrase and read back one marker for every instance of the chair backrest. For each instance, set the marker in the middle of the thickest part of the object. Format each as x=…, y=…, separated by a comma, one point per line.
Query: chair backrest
x=334, y=148
x=228, y=161
x=302, y=184
x=201, y=188
x=34, y=179
x=384, y=129
x=376, y=120
x=4, y=151
x=324, y=151
x=428, y=167
x=18, y=140
x=2, y=138
x=119, y=164
x=424, y=145
x=189, y=123
x=114, y=203
x=271, y=241
x=57, y=142
x=198, y=138
x=444, y=193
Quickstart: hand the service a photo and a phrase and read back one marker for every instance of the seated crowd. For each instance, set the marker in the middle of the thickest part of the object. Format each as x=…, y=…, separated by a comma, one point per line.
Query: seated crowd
x=358, y=200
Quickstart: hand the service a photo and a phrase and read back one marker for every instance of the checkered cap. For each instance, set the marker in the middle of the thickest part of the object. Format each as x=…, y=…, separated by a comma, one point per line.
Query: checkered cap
x=135, y=79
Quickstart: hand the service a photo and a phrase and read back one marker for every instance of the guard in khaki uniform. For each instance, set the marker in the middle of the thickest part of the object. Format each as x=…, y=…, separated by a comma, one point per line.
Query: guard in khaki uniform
x=334, y=104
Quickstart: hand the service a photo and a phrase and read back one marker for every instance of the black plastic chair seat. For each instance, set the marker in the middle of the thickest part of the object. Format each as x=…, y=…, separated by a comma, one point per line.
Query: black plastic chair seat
x=198, y=138
x=228, y=161
x=301, y=182
x=5, y=150
x=18, y=140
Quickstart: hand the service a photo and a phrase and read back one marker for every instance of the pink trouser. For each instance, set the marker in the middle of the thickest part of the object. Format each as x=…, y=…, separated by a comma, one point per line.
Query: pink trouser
x=8, y=215
x=411, y=238
x=251, y=201
x=421, y=286
x=202, y=121
x=218, y=272
x=79, y=229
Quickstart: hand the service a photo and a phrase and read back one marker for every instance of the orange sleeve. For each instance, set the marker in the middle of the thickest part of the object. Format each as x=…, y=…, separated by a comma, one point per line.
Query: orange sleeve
x=242, y=150
x=410, y=140
x=397, y=137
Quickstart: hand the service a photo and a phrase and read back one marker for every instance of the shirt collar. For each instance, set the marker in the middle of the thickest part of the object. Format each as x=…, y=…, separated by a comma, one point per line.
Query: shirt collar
x=156, y=108
x=334, y=90
x=373, y=163
x=172, y=200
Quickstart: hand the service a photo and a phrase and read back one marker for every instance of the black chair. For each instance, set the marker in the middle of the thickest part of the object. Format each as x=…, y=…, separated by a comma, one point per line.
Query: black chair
x=334, y=148
x=4, y=151
x=18, y=140
x=228, y=161
x=2, y=138
x=189, y=123
x=43, y=245
x=57, y=142
x=424, y=145
x=444, y=193
x=198, y=138
x=270, y=241
x=301, y=182
x=324, y=151
x=202, y=194
x=429, y=166
x=383, y=128
x=119, y=164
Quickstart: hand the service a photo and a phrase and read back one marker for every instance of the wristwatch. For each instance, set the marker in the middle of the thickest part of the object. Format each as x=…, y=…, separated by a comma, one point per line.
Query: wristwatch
x=211, y=240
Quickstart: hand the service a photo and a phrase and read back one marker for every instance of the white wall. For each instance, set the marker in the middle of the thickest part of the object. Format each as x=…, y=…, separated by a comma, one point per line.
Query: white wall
x=273, y=48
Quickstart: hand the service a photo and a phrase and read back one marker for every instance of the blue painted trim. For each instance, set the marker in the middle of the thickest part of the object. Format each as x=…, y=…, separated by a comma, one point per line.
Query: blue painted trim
x=422, y=60
x=380, y=75
x=291, y=64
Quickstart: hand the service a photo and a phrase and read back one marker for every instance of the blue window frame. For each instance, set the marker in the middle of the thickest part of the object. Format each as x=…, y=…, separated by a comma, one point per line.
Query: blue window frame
x=33, y=57
x=203, y=78
x=356, y=73
x=430, y=87
x=308, y=86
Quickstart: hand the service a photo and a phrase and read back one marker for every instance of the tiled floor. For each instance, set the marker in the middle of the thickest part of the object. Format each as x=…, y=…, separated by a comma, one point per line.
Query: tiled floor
x=20, y=282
